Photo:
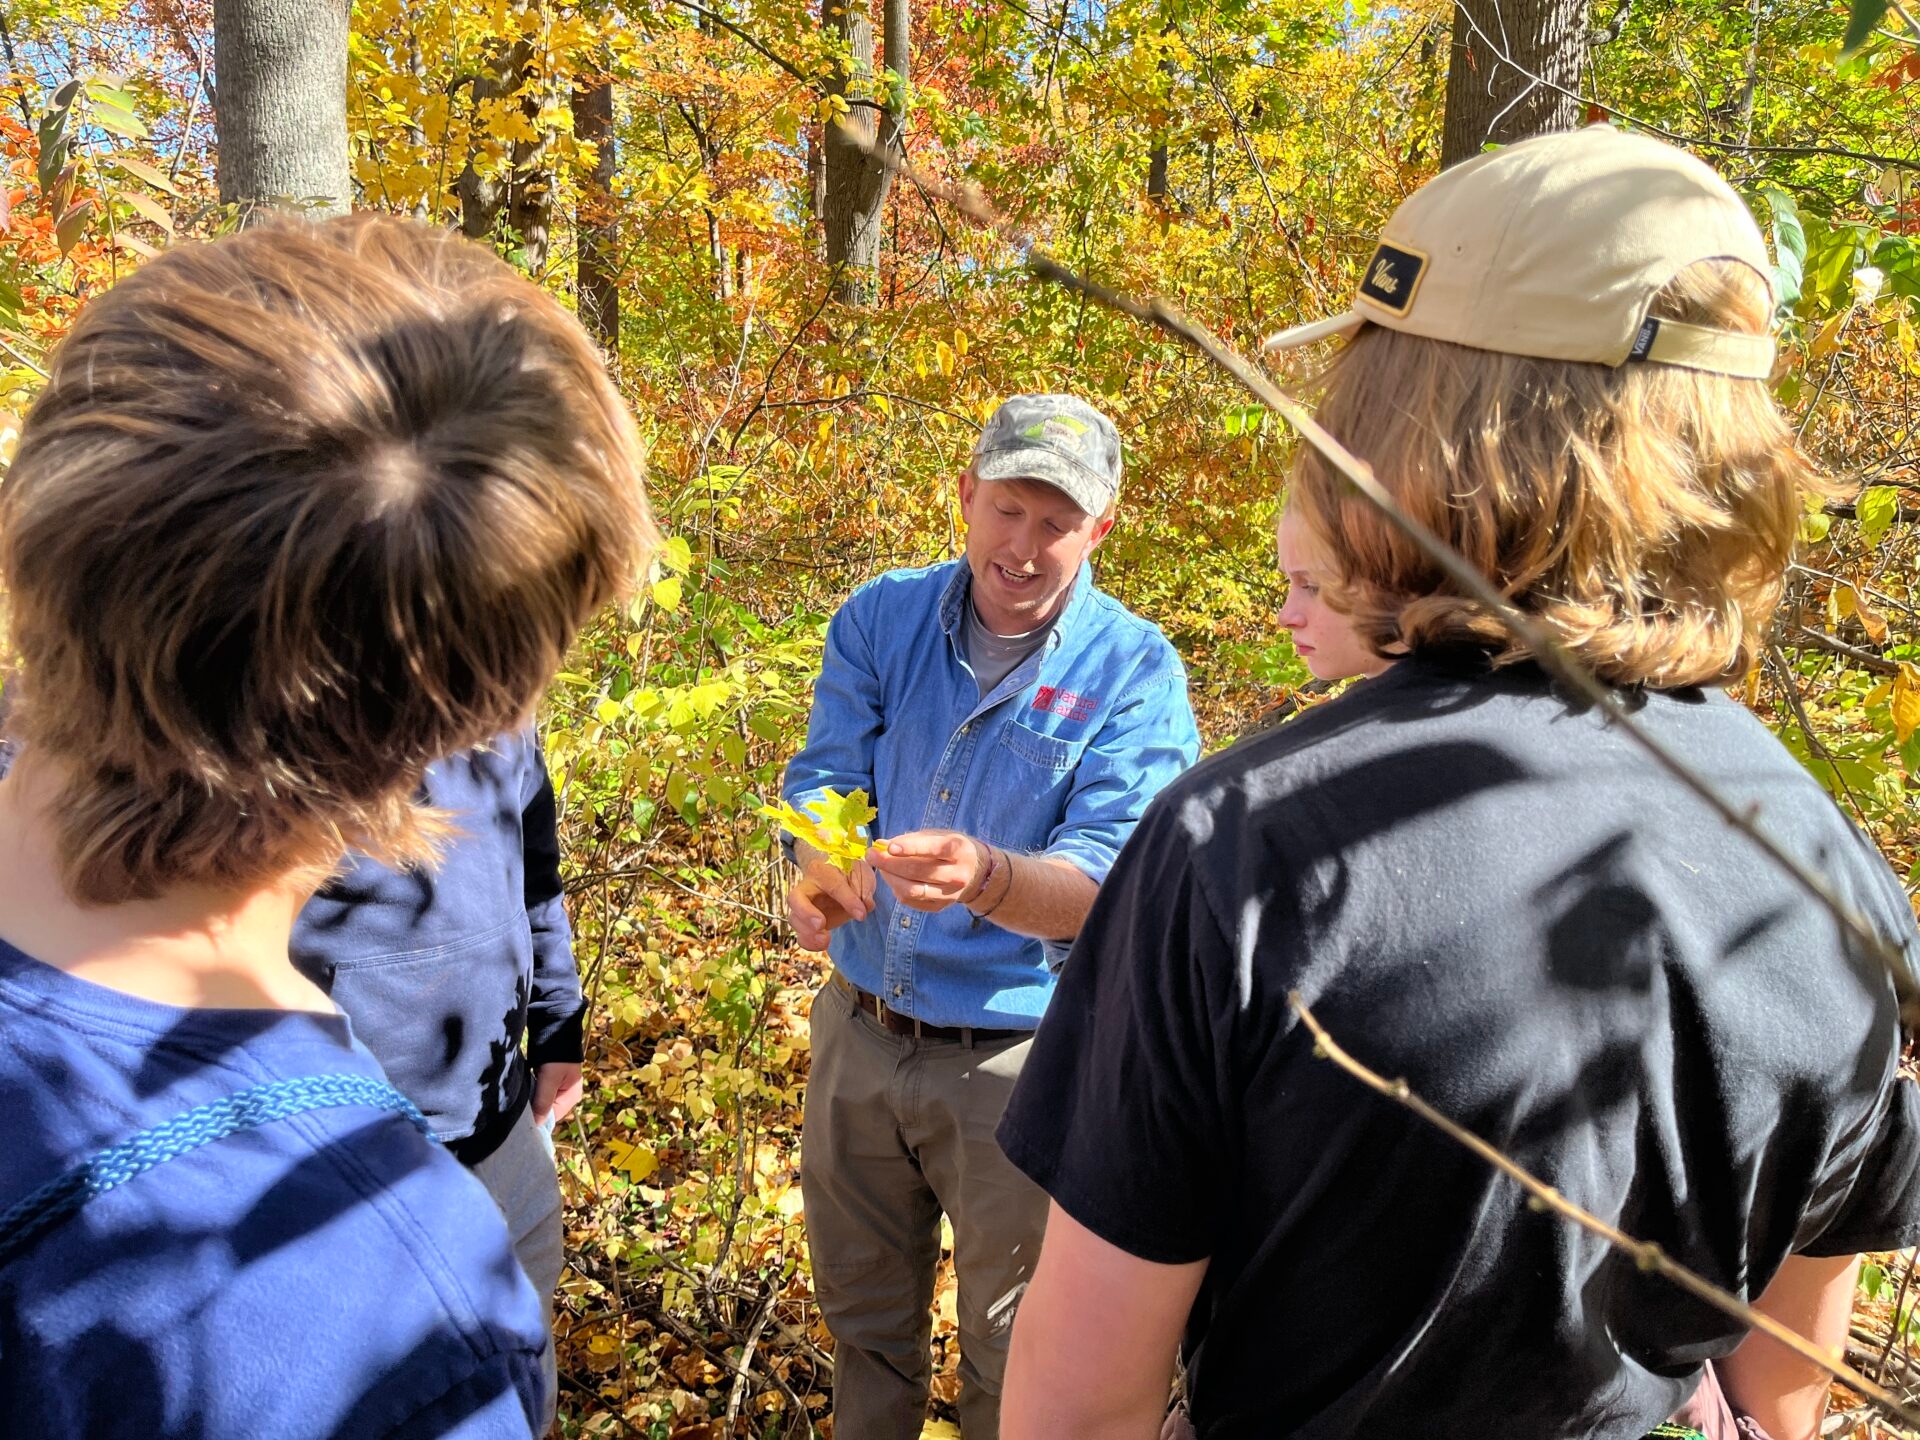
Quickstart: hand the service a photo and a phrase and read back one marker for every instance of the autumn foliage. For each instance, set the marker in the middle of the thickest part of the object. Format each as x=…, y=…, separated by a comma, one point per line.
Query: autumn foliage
x=800, y=446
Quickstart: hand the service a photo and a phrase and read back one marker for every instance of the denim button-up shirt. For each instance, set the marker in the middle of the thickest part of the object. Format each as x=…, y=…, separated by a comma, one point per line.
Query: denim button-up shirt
x=1059, y=760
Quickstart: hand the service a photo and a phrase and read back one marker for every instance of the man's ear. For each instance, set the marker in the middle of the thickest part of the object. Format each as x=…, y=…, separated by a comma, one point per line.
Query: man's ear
x=967, y=483
x=1100, y=529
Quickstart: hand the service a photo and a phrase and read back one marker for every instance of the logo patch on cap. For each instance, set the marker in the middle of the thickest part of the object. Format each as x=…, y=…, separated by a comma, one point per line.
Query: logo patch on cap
x=1393, y=278
x=1046, y=429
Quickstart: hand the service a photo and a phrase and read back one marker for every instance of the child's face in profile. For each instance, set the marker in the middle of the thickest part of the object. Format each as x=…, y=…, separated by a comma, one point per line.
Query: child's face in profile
x=1322, y=637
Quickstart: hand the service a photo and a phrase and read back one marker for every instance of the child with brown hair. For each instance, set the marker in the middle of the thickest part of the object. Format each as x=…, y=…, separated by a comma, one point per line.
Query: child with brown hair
x=297, y=513
x=1558, y=362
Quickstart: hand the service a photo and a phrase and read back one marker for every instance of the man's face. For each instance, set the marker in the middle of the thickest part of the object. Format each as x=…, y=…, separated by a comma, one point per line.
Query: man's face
x=1025, y=543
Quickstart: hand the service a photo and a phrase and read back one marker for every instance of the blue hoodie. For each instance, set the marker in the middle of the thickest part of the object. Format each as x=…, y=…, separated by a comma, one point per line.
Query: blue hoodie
x=443, y=972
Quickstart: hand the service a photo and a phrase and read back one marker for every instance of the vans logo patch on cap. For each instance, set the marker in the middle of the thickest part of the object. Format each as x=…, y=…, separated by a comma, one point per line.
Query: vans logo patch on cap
x=1393, y=278
x=1643, y=339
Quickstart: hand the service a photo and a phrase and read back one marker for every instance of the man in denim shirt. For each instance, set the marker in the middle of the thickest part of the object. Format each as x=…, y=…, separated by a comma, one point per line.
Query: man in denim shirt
x=1011, y=723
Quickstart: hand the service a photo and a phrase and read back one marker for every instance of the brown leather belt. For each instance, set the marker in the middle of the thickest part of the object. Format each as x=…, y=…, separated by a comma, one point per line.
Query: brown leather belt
x=898, y=1024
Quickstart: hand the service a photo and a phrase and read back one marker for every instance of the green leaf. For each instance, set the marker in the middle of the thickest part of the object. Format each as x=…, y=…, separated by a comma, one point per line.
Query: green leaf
x=105, y=92
x=676, y=556
x=1873, y=1279
x=1789, y=247
x=141, y=170
x=73, y=225
x=1877, y=508
x=119, y=122
x=1244, y=419
x=1861, y=23
x=53, y=147
x=149, y=209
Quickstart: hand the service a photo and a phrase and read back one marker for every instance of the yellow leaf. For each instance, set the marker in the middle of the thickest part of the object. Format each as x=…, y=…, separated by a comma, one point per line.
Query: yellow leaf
x=1906, y=702
x=1871, y=620
x=830, y=825
x=960, y=343
x=940, y=1430
x=666, y=593
x=1828, y=340
x=637, y=1160
x=943, y=357
x=1840, y=602
x=603, y=1344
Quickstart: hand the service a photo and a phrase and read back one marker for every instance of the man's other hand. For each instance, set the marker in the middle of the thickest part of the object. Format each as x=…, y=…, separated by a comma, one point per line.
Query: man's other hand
x=932, y=869
x=824, y=897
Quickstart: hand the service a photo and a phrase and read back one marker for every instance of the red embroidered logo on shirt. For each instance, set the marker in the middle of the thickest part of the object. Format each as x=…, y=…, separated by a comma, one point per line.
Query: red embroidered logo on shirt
x=1066, y=703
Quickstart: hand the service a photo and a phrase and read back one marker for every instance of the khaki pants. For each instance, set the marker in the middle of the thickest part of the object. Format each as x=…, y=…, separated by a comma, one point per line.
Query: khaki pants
x=898, y=1130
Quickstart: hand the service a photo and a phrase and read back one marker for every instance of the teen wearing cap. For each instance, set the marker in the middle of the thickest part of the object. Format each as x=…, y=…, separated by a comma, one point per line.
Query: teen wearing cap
x=1483, y=888
x=1011, y=722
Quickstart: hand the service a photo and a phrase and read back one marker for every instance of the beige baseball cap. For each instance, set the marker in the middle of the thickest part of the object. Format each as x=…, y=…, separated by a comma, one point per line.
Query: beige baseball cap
x=1555, y=247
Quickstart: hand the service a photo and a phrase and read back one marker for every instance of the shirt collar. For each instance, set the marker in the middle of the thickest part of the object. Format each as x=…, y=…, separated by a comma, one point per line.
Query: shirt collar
x=953, y=601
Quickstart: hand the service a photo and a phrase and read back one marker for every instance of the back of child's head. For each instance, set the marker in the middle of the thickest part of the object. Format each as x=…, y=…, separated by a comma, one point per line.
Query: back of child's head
x=298, y=512
x=1584, y=414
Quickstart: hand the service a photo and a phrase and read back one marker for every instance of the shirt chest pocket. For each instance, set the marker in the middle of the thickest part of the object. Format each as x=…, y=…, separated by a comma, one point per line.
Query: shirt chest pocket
x=1048, y=753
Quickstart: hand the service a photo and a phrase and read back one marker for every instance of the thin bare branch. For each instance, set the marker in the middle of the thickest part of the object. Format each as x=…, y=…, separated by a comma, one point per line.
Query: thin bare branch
x=1736, y=147
x=1644, y=1253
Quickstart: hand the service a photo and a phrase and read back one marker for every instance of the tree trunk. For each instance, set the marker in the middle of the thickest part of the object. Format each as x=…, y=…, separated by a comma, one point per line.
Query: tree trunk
x=282, y=118
x=856, y=185
x=597, y=293
x=526, y=191
x=1157, y=170
x=530, y=198
x=1502, y=52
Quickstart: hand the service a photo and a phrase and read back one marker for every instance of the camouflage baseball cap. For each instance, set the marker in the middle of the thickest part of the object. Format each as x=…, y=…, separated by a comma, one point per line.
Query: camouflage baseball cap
x=1056, y=438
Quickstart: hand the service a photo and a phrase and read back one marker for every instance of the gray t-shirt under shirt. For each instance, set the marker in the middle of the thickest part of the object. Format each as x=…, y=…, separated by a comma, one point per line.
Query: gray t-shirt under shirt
x=994, y=657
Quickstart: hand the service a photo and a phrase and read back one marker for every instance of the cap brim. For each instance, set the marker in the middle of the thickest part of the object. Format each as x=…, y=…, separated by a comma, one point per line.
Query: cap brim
x=1319, y=330
x=1030, y=462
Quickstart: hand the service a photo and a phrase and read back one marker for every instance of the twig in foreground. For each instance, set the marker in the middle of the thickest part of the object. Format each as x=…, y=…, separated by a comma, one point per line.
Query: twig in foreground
x=1644, y=1253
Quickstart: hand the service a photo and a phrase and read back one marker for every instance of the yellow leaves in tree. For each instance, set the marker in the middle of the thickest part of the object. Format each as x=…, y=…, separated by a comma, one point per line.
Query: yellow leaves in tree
x=1906, y=702
x=831, y=824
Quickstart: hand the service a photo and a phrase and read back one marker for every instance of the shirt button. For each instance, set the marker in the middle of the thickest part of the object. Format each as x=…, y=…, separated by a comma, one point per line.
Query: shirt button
x=964, y=729
x=946, y=794
x=906, y=921
x=899, y=990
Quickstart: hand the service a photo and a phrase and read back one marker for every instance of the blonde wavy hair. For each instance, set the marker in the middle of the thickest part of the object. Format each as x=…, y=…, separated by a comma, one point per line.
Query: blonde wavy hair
x=1644, y=514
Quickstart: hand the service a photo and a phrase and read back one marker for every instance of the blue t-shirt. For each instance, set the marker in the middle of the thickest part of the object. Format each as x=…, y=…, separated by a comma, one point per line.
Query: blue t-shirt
x=334, y=1273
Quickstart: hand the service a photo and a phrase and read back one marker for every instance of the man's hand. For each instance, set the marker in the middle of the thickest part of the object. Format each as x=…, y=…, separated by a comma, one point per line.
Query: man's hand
x=824, y=897
x=557, y=1088
x=932, y=869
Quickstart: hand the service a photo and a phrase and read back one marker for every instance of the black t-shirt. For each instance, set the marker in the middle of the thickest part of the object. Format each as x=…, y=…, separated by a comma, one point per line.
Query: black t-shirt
x=1502, y=900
